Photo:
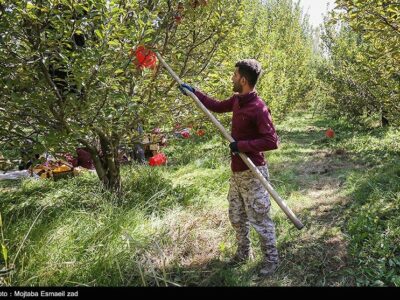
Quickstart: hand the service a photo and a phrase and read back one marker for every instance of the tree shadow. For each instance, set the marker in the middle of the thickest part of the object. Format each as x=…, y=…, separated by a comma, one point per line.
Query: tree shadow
x=317, y=257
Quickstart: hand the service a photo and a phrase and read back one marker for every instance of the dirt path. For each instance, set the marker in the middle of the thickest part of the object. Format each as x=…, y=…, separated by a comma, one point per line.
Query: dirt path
x=319, y=255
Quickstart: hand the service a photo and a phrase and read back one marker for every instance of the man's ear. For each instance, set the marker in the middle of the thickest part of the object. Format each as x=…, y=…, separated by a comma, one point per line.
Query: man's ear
x=243, y=80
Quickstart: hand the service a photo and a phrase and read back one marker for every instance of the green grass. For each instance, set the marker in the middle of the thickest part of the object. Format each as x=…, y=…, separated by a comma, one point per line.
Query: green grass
x=171, y=227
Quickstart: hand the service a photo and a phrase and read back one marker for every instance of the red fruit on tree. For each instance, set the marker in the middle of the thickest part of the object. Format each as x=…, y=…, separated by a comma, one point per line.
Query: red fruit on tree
x=144, y=57
x=178, y=19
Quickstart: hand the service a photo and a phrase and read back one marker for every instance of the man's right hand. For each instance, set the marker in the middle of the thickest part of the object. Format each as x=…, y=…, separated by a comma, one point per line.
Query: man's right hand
x=184, y=86
x=234, y=147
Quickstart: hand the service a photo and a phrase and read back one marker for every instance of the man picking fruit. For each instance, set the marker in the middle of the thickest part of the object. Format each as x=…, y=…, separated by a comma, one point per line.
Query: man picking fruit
x=254, y=133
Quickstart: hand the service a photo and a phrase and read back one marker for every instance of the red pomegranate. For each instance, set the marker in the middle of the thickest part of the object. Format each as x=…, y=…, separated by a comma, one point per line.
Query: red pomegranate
x=200, y=132
x=330, y=133
x=185, y=134
x=145, y=58
x=158, y=160
x=178, y=19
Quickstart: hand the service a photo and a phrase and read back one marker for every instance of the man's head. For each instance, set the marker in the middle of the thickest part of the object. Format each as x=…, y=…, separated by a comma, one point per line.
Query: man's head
x=246, y=75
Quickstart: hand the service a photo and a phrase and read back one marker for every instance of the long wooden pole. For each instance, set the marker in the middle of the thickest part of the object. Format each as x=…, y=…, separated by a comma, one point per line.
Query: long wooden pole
x=244, y=157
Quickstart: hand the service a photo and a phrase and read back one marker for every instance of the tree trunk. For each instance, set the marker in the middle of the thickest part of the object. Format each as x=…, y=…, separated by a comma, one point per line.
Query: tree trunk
x=385, y=121
x=106, y=162
x=111, y=177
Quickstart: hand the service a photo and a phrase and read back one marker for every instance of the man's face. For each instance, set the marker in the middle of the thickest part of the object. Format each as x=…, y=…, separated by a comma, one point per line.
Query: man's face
x=237, y=81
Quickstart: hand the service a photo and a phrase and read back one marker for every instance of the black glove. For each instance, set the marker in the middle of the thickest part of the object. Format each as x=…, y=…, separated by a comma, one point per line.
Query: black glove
x=234, y=147
x=183, y=86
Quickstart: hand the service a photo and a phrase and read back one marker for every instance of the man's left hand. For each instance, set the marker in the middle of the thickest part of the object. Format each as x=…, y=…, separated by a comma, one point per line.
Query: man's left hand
x=184, y=86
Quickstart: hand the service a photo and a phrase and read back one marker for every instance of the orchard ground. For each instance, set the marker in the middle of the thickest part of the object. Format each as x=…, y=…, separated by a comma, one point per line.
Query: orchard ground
x=171, y=227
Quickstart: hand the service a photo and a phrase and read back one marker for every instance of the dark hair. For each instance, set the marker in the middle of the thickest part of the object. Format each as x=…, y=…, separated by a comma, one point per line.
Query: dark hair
x=249, y=69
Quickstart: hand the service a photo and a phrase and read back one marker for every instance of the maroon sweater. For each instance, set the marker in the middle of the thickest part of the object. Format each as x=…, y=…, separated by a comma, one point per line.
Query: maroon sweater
x=252, y=126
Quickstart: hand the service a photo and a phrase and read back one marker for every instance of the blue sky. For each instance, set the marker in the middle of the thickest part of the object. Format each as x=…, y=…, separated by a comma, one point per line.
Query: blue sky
x=315, y=9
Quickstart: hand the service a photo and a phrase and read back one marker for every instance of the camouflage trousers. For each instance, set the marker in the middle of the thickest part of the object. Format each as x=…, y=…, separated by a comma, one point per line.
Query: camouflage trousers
x=249, y=203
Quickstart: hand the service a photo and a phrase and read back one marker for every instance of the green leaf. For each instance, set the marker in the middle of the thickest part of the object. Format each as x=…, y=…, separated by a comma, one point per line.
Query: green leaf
x=29, y=5
x=113, y=43
x=99, y=34
x=4, y=251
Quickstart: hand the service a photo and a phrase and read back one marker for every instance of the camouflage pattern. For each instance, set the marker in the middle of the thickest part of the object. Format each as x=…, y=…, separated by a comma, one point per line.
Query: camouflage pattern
x=249, y=203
